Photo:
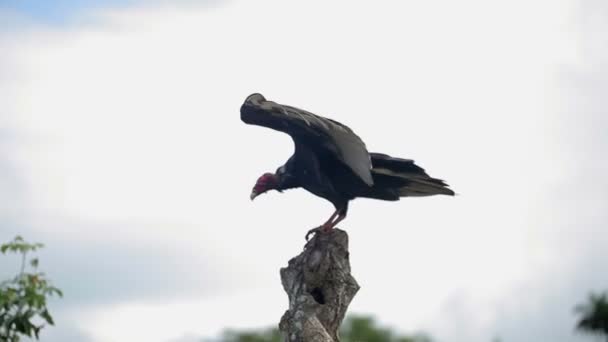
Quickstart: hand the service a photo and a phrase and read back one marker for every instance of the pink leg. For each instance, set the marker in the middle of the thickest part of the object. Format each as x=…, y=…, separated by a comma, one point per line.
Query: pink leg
x=335, y=223
x=329, y=223
x=327, y=226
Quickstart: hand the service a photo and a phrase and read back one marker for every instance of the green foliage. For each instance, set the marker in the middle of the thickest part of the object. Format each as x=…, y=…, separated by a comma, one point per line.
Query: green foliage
x=365, y=328
x=354, y=329
x=23, y=310
x=268, y=335
x=594, y=314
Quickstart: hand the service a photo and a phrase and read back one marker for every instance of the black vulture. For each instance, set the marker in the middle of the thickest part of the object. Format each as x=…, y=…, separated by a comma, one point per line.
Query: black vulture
x=332, y=162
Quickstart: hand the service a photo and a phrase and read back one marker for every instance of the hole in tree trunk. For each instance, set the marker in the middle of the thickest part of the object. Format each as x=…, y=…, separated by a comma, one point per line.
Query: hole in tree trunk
x=317, y=294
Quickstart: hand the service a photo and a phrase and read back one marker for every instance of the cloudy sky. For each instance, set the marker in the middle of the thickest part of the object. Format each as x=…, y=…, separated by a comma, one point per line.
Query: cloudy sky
x=122, y=150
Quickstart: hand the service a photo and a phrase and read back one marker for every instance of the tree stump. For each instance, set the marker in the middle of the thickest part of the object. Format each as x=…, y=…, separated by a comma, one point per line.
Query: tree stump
x=320, y=288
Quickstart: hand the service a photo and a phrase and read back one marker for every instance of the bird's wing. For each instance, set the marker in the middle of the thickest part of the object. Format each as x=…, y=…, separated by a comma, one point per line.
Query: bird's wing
x=312, y=129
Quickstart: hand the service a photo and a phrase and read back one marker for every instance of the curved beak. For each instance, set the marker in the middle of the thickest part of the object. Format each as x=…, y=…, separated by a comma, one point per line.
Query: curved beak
x=253, y=195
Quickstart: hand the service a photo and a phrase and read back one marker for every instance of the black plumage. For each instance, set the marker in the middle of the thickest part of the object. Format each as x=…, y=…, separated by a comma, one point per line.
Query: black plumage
x=332, y=162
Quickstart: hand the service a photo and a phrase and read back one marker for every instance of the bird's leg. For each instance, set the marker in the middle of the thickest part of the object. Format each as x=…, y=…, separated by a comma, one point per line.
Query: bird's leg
x=325, y=227
x=341, y=217
x=329, y=224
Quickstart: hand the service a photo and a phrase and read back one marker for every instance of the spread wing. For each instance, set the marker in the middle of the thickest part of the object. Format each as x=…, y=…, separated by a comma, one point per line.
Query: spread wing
x=310, y=129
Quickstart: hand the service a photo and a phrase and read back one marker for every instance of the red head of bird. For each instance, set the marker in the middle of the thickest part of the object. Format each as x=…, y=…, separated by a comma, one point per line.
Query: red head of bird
x=267, y=181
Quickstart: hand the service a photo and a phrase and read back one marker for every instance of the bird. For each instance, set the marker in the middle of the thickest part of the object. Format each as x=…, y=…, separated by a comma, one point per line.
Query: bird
x=332, y=162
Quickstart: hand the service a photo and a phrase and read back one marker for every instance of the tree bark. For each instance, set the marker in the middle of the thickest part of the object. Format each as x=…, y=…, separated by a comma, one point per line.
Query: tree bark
x=320, y=288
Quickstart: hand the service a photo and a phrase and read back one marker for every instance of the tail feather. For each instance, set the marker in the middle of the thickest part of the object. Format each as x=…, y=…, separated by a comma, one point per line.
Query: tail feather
x=384, y=161
x=404, y=178
x=417, y=188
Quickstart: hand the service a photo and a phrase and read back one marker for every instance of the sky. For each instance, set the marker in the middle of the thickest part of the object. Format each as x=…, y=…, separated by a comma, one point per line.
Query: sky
x=122, y=150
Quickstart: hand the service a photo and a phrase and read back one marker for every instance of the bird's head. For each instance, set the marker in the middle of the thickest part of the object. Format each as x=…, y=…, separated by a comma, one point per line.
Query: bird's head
x=267, y=181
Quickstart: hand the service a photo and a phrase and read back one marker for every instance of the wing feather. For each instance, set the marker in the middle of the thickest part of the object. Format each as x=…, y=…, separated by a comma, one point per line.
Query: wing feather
x=309, y=128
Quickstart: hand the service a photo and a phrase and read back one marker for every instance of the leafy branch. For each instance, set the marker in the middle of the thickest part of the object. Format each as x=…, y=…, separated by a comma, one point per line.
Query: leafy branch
x=23, y=299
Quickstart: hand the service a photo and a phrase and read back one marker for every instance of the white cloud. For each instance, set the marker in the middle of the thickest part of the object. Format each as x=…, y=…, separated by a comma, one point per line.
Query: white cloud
x=195, y=317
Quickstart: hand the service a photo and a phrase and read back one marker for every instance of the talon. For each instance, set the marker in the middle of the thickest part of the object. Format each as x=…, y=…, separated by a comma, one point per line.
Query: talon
x=313, y=231
x=325, y=228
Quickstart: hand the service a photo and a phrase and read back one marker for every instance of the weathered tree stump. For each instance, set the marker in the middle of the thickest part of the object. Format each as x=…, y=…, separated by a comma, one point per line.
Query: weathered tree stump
x=320, y=288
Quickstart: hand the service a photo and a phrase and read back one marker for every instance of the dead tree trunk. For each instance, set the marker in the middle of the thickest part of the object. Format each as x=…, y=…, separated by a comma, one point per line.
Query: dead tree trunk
x=320, y=288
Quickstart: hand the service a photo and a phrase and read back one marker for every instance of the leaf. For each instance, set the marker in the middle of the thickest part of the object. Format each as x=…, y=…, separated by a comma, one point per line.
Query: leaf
x=23, y=298
x=37, y=331
x=55, y=290
x=20, y=325
x=47, y=317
